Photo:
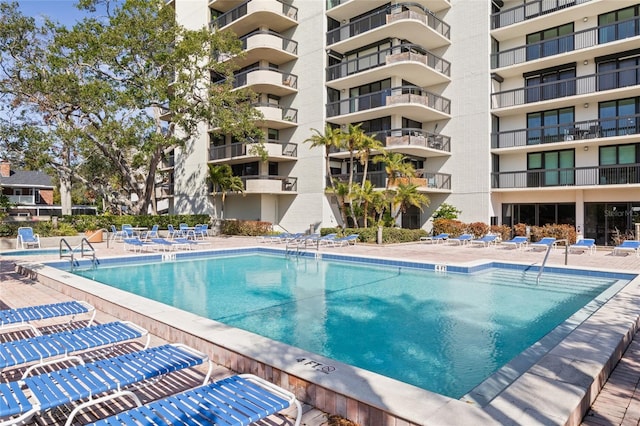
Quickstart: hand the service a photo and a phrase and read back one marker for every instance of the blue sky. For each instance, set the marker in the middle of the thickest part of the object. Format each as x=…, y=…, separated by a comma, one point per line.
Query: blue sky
x=63, y=11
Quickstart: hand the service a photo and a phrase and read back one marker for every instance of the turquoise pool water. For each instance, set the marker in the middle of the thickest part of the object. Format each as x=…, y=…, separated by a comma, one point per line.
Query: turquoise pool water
x=442, y=332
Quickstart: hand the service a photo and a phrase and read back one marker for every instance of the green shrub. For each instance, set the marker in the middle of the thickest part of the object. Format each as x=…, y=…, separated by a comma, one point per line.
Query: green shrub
x=389, y=235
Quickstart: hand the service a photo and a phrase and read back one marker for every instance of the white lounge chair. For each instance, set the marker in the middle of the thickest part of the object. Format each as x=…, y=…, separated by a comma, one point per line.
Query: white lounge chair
x=435, y=239
x=461, y=240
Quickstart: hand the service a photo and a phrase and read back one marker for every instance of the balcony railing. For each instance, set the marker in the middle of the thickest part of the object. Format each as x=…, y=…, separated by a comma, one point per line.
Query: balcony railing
x=22, y=199
x=583, y=85
x=241, y=79
x=288, y=114
x=408, y=136
x=389, y=97
x=288, y=45
x=576, y=176
x=570, y=42
x=402, y=53
x=245, y=149
x=242, y=10
x=380, y=18
x=529, y=10
x=163, y=191
x=379, y=179
x=568, y=132
x=282, y=183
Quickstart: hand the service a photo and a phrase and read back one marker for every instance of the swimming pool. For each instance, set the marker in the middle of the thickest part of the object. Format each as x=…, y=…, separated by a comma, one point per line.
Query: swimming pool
x=442, y=332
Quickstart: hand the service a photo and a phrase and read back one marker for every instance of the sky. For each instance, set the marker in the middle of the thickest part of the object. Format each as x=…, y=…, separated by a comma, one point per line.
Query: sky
x=63, y=11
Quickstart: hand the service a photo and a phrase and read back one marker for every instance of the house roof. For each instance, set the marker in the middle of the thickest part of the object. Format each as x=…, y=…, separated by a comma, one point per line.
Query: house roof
x=26, y=178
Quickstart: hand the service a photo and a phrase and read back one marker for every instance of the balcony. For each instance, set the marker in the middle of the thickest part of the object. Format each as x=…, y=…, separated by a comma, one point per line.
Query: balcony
x=409, y=60
x=22, y=200
x=345, y=9
x=568, y=133
x=267, y=44
x=531, y=9
x=163, y=191
x=266, y=184
x=561, y=93
x=267, y=80
x=276, y=116
x=242, y=152
x=570, y=177
x=625, y=33
x=415, y=142
x=426, y=181
x=407, y=101
x=417, y=24
x=253, y=14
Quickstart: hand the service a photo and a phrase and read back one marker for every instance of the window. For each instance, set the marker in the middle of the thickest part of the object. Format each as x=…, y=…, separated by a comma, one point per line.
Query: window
x=273, y=135
x=551, y=84
x=618, y=25
x=549, y=42
x=247, y=169
x=549, y=126
x=619, y=164
x=550, y=168
x=370, y=95
x=619, y=72
x=619, y=117
x=273, y=168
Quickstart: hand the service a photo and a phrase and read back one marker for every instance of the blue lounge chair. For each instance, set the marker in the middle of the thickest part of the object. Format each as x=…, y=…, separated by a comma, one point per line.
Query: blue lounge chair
x=189, y=244
x=516, y=242
x=351, y=239
x=237, y=400
x=585, y=244
x=544, y=243
x=58, y=347
x=435, y=239
x=169, y=245
x=21, y=317
x=326, y=239
x=23, y=399
x=136, y=244
x=461, y=240
x=27, y=239
x=626, y=247
x=486, y=241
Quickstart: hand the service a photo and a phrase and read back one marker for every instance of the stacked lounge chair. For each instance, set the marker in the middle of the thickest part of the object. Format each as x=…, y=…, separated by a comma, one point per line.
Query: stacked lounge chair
x=22, y=317
x=237, y=400
x=23, y=399
x=57, y=347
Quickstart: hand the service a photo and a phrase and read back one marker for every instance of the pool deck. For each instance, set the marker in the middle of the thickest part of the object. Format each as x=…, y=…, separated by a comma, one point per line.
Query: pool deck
x=617, y=404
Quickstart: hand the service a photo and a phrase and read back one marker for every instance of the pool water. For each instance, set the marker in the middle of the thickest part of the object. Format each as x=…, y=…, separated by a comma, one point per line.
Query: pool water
x=442, y=332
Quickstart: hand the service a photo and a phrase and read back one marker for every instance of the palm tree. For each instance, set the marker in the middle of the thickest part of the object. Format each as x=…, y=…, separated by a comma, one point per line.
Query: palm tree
x=395, y=165
x=364, y=194
x=342, y=192
x=222, y=181
x=367, y=145
x=332, y=138
x=407, y=195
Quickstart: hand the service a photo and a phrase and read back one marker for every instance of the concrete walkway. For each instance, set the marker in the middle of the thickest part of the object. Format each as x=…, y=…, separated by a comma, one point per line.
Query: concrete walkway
x=617, y=404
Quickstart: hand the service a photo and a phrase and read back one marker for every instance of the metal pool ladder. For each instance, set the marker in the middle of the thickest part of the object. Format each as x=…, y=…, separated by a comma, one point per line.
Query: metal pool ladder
x=70, y=253
x=546, y=256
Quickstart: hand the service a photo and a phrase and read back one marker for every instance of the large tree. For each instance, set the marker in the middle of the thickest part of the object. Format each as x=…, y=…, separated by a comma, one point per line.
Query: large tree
x=99, y=93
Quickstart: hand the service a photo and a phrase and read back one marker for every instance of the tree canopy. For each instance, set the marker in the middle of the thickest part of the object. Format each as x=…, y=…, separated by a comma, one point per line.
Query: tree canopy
x=104, y=101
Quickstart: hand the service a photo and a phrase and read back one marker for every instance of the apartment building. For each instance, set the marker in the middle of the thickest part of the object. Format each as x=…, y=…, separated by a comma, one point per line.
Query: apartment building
x=513, y=112
x=564, y=107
